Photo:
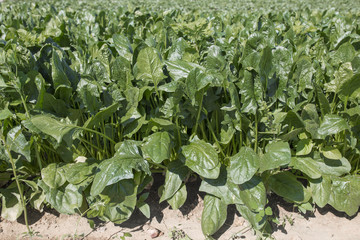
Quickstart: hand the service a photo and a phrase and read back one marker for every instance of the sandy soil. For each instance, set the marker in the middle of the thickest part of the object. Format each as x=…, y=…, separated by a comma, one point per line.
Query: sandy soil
x=324, y=224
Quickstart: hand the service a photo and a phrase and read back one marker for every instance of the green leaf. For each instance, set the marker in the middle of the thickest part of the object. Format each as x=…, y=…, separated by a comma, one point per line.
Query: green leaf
x=323, y=101
x=126, y=159
x=144, y=208
x=214, y=59
x=149, y=66
x=345, y=194
x=213, y=216
x=158, y=146
x=306, y=165
x=179, y=198
x=285, y=185
x=180, y=69
x=248, y=93
x=76, y=173
x=321, y=189
x=304, y=147
x=101, y=116
x=350, y=87
x=121, y=200
x=345, y=53
x=64, y=199
x=17, y=142
x=277, y=154
x=57, y=72
x=243, y=165
x=53, y=175
x=5, y=114
x=222, y=188
x=52, y=127
x=175, y=174
x=253, y=194
x=336, y=167
x=88, y=90
x=196, y=81
x=331, y=152
x=304, y=73
x=265, y=64
x=11, y=207
x=202, y=158
x=251, y=216
x=332, y=124
x=122, y=46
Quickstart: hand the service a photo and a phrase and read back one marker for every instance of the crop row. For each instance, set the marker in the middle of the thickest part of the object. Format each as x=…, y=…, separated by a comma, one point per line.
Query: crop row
x=94, y=102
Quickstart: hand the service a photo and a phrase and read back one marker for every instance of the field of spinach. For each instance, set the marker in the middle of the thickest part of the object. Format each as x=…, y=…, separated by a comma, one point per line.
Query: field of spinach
x=95, y=100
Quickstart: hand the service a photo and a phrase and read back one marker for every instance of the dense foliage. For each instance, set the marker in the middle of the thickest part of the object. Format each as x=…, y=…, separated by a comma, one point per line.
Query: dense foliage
x=94, y=101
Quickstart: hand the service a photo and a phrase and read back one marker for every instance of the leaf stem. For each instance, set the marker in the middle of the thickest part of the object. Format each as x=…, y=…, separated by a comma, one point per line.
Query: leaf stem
x=18, y=186
x=96, y=132
x=198, y=114
x=256, y=133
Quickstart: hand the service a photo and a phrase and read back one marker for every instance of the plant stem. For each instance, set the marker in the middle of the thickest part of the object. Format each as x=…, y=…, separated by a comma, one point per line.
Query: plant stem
x=18, y=186
x=96, y=132
x=256, y=133
x=198, y=114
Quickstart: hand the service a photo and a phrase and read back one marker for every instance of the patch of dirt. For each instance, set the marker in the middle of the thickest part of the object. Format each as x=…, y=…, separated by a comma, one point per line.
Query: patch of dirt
x=170, y=224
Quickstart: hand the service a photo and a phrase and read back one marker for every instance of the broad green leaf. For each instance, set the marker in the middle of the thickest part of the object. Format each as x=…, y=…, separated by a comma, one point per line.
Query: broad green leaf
x=76, y=173
x=179, y=198
x=11, y=207
x=332, y=124
x=144, y=208
x=149, y=66
x=122, y=46
x=175, y=175
x=285, y=185
x=331, y=152
x=126, y=159
x=265, y=64
x=251, y=216
x=247, y=92
x=64, y=199
x=321, y=189
x=345, y=53
x=336, y=167
x=304, y=147
x=17, y=142
x=350, y=87
x=306, y=165
x=53, y=175
x=253, y=193
x=121, y=200
x=5, y=114
x=243, y=165
x=215, y=59
x=196, y=81
x=88, y=90
x=345, y=194
x=52, y=127
x=323, y=101
x=222, y=188
x=282, y=62
x=202, y=158
x=101, y=116
x=213, y=216
x=57, y=71
x=158, y=146
x=180, y=69
x=304, y=73
x=277, y=154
